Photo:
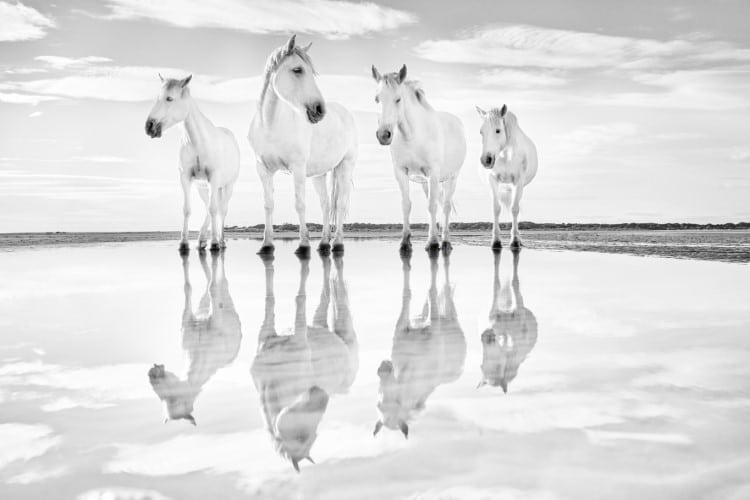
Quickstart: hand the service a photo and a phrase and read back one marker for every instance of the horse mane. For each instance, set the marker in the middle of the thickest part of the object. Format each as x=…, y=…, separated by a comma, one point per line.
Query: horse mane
x=415, y=86
x=274, y=61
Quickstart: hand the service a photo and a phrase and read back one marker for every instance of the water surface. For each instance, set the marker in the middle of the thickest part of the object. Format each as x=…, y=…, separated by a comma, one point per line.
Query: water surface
x=551, y=375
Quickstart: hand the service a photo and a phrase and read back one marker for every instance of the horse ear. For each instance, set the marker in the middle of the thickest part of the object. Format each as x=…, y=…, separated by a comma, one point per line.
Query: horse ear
x=482, y=113
x=378, y=426
x=306, y=47
x=190, y=419
x=504, y=386
x=295, y=464
x=402, y=74
x=503, y=110
x=310, y=459
x=290, y=44
x=185, y=81
x=404, y=429
x=161, y=77
x=481, y=384
x=376, y=74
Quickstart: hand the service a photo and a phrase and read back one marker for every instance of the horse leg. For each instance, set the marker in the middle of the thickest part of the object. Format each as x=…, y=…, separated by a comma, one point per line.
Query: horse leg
x=403, y=185
x=266, y=178
x=226, y=195
x=496, y=208
x=185, y=183
x=214, y=200
x=203, y=236
x=433, y=243
x=299, y=204
x=449, y=187
x=342, y=180
x=515, y=239
x=325, y=238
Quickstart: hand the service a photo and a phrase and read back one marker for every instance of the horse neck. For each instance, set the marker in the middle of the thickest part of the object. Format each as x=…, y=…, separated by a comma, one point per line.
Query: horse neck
x=273, y=110
x=197, y=126
x=413, y=114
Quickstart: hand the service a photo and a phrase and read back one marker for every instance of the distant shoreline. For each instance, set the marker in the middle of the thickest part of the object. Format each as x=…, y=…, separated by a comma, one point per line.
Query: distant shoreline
x=712, y=242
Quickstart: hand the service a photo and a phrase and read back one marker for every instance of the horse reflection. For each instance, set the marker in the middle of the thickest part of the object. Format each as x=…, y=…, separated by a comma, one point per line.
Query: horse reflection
x=512, y=333
x=211, y=339
x=295, y=373
x=428, y=351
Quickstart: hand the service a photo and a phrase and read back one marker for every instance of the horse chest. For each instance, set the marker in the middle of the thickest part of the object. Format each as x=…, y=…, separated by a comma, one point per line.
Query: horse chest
x=508, y=169
x=200, y=171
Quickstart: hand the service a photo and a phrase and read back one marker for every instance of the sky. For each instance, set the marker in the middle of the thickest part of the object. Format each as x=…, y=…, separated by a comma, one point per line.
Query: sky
x=639, y=109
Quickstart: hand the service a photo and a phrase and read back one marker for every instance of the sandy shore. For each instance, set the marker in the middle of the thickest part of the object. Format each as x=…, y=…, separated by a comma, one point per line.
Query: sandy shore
x=716, y=245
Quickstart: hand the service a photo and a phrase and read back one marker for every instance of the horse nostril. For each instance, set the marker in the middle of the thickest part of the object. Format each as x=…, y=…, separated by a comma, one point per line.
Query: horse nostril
x=387, y=134
x=319, y=110
x=487, y=160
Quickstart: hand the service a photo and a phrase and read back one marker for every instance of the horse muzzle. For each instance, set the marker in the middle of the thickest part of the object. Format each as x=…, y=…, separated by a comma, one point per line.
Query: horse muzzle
x=487, y=160
x=385, y=136
x=153, y=128
x=316, y=111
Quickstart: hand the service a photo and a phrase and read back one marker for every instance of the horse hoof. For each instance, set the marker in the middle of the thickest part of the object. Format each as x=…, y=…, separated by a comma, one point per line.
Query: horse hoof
x=515, y=245
x=497, y=245
x=202, y=244
x=215, y=247
x=266, y=250
x=338, y=249
x=324, y=249
x=447, y=247
x=303, y=252
x=405, y=249
x=184, y=248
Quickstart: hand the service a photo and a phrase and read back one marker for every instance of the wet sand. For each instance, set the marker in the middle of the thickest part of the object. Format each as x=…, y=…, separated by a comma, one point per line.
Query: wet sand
x=713, y=245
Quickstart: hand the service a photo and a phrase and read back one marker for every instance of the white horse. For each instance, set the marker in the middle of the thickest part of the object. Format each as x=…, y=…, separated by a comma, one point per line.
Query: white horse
x=427, y=147
x=296, y=373
x=209, y=155
x=512, y=332
x=427, y=352
x=211, y=337
x=511, y=158
x=296, y=132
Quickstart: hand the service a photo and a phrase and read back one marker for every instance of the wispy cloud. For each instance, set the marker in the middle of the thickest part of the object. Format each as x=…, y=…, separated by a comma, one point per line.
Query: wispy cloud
x=521, y=79
x=583, y=141
x=16, y=98
x=59, y=62
x=329, y=18
x=19, y=22
x=91, y=78
x=524, y=45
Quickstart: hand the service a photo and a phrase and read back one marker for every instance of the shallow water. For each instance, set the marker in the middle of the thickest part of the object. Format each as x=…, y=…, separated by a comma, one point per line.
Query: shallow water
x=626, y=377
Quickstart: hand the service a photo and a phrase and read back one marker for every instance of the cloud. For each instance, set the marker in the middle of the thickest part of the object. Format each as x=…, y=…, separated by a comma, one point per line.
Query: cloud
x=582, y=142
x=702, y=89
x=521, y=79
x=118, y=493
x=524, y=45
x=91, y=78
x=16, y=98
x=24, y=442
x=35, y=114
x=329, y=18
x=19, y=22
x=59, y=62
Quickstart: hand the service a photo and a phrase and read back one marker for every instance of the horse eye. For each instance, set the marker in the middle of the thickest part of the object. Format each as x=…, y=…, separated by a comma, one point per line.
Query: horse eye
x=398, y=100
x=297, y=70
x=170, y=99
x=497, y=131
x=377, y=99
